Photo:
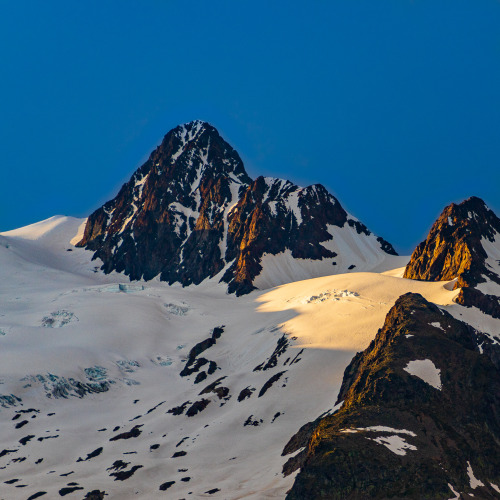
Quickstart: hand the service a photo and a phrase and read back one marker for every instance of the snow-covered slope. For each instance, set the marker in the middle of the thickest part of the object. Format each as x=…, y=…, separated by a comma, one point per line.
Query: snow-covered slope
x=92, y=396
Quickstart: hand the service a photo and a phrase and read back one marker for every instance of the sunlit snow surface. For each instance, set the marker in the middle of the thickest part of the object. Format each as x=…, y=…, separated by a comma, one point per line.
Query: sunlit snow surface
x=65, y=324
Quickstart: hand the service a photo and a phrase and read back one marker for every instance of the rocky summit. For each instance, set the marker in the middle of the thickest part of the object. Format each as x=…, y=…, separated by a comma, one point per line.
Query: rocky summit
x=192, y=212
x=170, y=217
x=419, y=416
x=454, y=247
x=461, y=245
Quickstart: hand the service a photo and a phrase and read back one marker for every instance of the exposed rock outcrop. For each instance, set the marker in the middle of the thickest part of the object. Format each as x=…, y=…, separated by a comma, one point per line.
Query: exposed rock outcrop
x=191, y=212
x=421, y=412
x=457, y=248
x=453, y=248
x=169, y=218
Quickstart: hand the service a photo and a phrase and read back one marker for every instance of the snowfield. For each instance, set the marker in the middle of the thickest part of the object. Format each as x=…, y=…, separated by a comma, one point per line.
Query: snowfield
x=91, y=391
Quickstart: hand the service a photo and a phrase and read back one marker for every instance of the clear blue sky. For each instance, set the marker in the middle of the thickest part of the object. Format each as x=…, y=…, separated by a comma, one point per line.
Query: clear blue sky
x=394, y=106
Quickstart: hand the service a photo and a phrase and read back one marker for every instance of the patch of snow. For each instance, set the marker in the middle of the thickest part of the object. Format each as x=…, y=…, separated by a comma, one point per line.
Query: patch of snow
x=425, y=370
x=272, y=207
x=182, y=138
x=477, y=319
x=195, y=186
x=295, y=453
x=495, y=487
x=140, y=184
x=284, y=268
x=492, y=249
x=382, y=428
x=129, y=218
x=79, y=235
x=38, y=229
x=293, y=203
x=182, y=215
x=450, y=222
x=394, y=443
x=473, y=481
x=437, y=324
x=141, y=181
x=457, y=495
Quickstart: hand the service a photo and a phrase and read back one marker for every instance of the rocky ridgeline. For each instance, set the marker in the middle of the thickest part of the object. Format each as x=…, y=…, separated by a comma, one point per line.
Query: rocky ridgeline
x=454, y=248
x=191, y=212
x=401, y=433
x=420, y=407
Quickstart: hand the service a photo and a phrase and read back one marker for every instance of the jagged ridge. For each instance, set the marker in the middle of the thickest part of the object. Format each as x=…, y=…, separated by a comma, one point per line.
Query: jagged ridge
x=455, y=248
x=169, y=218
x=191, y=212
x=441, y=430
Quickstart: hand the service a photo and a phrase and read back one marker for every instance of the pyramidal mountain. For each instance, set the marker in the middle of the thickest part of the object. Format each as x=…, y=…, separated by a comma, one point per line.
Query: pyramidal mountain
x=206, y=335
x=191, y=212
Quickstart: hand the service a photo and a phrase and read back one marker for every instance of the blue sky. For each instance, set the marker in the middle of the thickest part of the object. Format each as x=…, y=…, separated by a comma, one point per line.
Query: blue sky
x=394, y=106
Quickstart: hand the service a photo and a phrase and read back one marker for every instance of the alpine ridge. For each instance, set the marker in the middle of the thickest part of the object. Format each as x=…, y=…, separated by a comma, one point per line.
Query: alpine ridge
x=192, y=212
x=419, y=416
x=463, y=245
x=426, y=388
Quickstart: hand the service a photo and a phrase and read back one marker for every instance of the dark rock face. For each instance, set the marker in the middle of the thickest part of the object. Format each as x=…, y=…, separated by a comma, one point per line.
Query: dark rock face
x=191, y=210
x=133, y=433
x=245, y=393
x=270, y=383
x=194, y=363
x=439, y=431
x=274, y=215
x=95, y=495
x=123, y=475
x=169, y=218
x=166, y=486
x=38, y=495
x=197, y=407
x=281, y=348
x=91, y=455
x=489, y=304
x=66, y=491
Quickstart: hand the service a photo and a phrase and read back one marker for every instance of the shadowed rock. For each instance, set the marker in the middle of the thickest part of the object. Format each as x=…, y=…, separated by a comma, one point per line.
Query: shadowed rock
x=191, y=210
x=397, y=435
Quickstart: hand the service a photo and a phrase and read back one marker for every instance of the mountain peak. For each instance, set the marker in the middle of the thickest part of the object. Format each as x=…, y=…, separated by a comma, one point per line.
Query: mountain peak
x=195, y=147
x=190, y=131
x=469, y=212
x=191, y=212
x=454, y=246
